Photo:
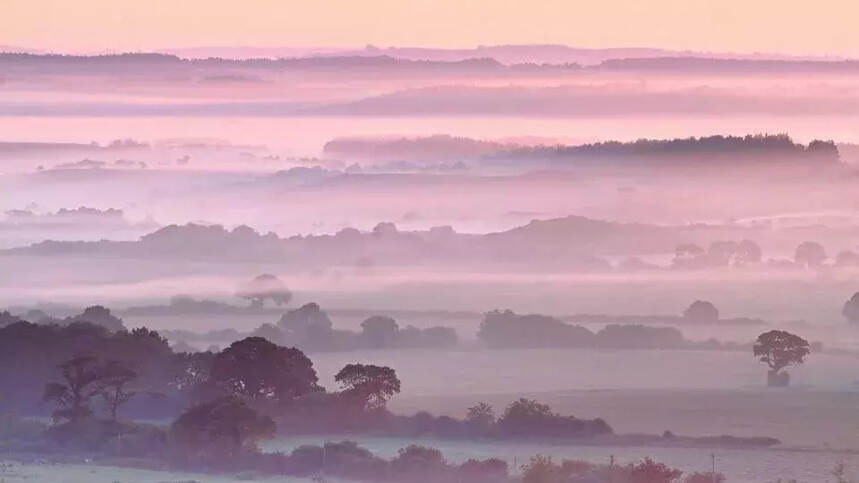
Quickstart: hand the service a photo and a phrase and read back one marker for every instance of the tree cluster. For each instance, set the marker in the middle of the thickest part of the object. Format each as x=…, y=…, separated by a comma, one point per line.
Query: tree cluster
x=309, y=328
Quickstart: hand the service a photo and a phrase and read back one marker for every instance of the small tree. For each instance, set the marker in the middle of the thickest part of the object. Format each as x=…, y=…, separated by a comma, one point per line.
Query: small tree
x=370, y=385
x=779, y=349
x=82, y=375
x=265, y=287
x=701, y=311
x=116, y=376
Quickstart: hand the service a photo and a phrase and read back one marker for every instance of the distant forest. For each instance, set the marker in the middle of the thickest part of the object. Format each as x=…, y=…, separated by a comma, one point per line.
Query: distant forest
x=763, y=147
x=752, y=147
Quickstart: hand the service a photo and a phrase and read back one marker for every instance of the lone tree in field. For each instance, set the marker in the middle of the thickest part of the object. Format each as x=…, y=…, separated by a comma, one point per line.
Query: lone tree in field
x=370, y=386
x=779, y=349
x=82, y=376
x=265, y=287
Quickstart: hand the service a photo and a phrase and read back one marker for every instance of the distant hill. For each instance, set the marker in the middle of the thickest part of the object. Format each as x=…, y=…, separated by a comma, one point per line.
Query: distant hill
x=585, y=101
x=138, y=61
x=709, y=65
x=500, y=58
x=573, y=242
x=507, y=54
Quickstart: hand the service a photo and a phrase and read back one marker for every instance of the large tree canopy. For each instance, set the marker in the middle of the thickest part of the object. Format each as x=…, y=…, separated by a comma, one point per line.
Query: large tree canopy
x=258, y=370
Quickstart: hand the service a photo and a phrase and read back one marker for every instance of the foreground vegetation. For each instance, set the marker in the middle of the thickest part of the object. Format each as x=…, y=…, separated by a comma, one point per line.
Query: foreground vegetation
x=94, y=379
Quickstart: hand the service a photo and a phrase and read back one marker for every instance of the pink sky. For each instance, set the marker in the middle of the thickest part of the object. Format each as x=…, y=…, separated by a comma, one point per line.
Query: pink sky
x=823, y=27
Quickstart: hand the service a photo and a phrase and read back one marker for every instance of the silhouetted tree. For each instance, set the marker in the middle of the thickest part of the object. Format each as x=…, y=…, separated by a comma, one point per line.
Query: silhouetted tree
x=371, y=385
x=701, y=311
x=809, y=254
x=116, y=376
x=779, y=349
x=265, y=287
x=82, y=375
x=258, y=370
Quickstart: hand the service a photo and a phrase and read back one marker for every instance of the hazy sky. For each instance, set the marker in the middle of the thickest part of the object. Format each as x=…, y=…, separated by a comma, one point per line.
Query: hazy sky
x=782, y=26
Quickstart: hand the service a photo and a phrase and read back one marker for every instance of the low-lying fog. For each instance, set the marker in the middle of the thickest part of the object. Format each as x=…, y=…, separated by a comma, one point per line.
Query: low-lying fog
x=435, y=193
